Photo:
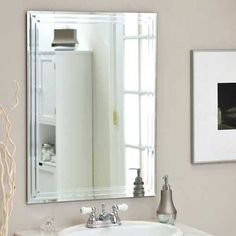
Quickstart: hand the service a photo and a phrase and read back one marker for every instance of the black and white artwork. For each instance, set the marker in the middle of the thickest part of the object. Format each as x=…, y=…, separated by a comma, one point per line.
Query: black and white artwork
x=226, y=106
x=214, y=106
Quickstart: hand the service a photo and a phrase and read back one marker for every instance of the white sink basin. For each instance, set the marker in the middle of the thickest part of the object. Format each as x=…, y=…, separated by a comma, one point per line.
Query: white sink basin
x=128, y=228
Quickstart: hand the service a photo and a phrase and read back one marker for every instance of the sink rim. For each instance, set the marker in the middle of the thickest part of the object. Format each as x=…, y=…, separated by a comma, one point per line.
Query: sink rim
x=82, y=227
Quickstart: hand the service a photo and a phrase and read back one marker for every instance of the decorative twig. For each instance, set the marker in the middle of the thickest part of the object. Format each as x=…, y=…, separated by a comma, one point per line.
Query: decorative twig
x=7, y=165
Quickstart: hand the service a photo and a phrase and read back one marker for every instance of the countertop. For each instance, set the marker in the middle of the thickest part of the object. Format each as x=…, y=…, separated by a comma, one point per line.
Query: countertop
x=188, y=231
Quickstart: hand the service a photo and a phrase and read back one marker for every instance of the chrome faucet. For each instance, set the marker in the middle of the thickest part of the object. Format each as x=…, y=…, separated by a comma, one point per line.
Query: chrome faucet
x=104, y=219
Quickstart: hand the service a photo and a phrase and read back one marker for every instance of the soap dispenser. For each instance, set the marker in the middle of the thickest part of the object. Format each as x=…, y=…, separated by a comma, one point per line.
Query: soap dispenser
x=166, y=212
x=138, y=185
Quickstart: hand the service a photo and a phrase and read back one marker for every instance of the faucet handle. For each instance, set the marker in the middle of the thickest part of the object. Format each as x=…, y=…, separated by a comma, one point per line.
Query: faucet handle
x=115, y=209
x=87, y=210
x=91, y=222
x=121, y=207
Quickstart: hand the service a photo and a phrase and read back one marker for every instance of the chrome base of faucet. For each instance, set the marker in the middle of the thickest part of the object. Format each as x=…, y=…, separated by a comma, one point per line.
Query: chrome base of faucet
x=104, y=219
x=101, y=224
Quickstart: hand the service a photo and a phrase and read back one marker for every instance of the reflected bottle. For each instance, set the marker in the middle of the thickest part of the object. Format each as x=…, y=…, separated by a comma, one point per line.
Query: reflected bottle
x=138, y=185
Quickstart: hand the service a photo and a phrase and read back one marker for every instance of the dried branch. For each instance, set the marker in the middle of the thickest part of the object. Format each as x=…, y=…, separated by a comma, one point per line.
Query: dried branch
x=7, y=165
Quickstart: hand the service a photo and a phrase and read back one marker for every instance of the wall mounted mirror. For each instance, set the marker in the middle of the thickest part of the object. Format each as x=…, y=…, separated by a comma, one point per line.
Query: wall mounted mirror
x=91, y=104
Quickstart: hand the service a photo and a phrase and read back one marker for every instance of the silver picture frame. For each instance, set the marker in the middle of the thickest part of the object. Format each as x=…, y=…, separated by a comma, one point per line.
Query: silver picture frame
x=213, y=89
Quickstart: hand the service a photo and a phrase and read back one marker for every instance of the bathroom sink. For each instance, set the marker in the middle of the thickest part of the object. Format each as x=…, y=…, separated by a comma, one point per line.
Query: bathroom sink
x=128, y=228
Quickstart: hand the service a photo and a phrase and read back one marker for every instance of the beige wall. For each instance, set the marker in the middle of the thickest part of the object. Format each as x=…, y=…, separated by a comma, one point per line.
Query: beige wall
x=204, y=194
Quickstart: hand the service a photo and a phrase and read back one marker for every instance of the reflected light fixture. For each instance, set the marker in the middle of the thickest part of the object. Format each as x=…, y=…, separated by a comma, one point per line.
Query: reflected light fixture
x=65, y=38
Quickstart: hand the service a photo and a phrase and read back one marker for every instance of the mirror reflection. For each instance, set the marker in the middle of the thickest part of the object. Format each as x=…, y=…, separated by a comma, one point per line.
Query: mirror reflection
x=91, y=105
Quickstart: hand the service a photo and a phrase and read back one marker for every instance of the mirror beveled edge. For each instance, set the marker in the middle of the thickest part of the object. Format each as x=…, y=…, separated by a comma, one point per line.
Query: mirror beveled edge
x=30, y=101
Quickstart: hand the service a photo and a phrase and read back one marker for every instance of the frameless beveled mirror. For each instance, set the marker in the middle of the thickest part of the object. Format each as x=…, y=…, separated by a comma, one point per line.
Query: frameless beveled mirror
x=91, y=105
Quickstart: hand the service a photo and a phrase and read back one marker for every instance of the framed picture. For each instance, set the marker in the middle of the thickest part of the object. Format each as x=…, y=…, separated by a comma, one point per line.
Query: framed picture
x=213, y=105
